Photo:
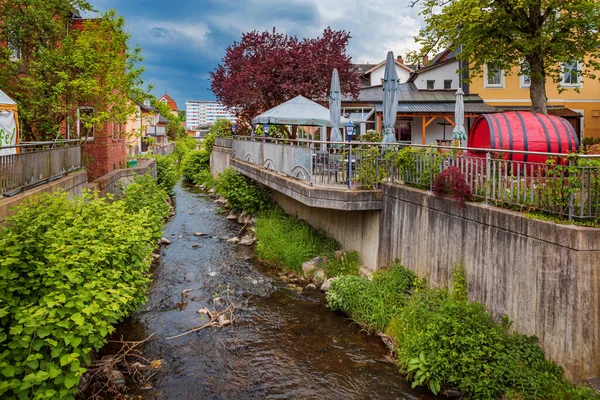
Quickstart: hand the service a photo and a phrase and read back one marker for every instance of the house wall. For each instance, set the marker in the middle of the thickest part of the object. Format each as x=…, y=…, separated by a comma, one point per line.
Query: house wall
x=587, y=101
x=133, y=129
x=439, y=74
x=104, y=154
x=377, y=75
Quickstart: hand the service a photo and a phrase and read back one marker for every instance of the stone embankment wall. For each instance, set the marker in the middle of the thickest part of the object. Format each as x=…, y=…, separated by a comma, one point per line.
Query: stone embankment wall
x=355, y=230
x=220, y=158
x=74, y=184
x=544, y=276
x=116, y=181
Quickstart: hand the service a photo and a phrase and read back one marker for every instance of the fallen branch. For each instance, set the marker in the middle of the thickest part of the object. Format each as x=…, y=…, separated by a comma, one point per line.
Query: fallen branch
x=217, y=318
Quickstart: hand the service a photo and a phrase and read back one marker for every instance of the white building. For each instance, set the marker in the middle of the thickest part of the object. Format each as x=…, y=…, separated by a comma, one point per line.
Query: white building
x=205, y=112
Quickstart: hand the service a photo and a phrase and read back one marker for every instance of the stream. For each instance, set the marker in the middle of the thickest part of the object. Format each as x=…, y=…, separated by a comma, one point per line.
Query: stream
x=284, y=344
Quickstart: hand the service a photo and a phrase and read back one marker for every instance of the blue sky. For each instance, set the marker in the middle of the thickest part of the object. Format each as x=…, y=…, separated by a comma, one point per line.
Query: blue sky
x=184, y=40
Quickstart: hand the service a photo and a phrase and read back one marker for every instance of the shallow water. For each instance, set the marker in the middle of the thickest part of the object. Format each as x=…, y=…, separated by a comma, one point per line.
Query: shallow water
x=283, y=344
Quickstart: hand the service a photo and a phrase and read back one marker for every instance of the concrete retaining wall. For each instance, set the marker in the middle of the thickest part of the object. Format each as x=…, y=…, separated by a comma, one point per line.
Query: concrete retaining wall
x=116, y=181
x=219, y=160
x=74, y=184
x=544, y=276
x=355, y=230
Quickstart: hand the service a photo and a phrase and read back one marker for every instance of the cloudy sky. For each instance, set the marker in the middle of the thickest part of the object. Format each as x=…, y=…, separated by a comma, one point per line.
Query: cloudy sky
x=184, y=40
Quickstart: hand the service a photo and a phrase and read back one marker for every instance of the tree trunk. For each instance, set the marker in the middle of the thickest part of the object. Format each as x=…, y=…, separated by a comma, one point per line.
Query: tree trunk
x=537, y=88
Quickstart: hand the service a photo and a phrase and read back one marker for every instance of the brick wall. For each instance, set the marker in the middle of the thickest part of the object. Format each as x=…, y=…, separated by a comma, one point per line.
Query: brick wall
x=105, y=153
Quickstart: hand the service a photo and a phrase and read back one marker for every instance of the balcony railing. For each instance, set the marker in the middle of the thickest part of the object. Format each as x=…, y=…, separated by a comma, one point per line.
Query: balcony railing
x=37, y=163
x=156, y=130
x=565, y=185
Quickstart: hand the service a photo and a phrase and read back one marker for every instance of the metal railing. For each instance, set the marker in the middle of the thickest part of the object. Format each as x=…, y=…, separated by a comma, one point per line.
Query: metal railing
x=37, y=163
x=565, y=185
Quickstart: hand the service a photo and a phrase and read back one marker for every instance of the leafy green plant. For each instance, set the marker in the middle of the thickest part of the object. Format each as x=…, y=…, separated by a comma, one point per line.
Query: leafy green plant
x=347, y=264
x=371, y=136
x=286, y=241
x=209, y=142
x=146, y=193
x=183, y=146
x=70, y=270
x=242, y=192
x=166, y=173
x=194, y=162
x=205, y=178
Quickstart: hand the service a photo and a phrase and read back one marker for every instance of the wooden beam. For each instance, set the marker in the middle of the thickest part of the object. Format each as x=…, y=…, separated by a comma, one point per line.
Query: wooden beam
x=450, y=121
x=426, y=123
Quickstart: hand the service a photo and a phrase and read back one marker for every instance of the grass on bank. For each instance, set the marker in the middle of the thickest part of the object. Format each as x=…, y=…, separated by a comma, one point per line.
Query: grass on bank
x=443, y=341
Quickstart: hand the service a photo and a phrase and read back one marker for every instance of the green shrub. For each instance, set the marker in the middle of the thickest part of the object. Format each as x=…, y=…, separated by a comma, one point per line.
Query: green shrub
x=146, y=193
x=286, y=241
x=241, y=192
x=183, y=146
x=374, y=303
x=209, y=142
x=70, y=270
x=443, y=340
x=194, y=162
x=166, y=173
x=205, y=178
x=348, y=264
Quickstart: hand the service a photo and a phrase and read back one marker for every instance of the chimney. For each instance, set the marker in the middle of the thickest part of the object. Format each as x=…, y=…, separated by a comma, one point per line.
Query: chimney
x=425, y=60
x=400, y=60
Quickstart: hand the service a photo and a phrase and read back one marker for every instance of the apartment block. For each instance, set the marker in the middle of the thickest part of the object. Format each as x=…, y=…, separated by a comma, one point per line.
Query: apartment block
x=200, y=113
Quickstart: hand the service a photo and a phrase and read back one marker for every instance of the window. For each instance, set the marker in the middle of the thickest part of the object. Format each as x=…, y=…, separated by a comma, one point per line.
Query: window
x=494, y=76
x=448, y=84
x=571, y=74
x=525, y=80
x=430, y=85
x=16, y=52
x=85, y=128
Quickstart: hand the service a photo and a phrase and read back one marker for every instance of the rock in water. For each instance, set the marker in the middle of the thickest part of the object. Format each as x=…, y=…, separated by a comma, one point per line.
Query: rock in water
x=164, y=241
x=242, y=218
x=199, y=234
x=311, y=286
x=247, y=240
x=224, y=320
x=319, y=277
x=233, y=240
x=308, y=268
x=232, y=215
x=325, y=286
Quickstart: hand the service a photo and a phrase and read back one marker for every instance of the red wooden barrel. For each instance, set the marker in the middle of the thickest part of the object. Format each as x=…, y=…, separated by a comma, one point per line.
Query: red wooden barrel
x=523, y=130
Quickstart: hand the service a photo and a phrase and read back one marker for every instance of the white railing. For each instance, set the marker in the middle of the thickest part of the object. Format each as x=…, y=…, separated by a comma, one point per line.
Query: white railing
x=565, y=185
x=37, y=163
x=156, y=130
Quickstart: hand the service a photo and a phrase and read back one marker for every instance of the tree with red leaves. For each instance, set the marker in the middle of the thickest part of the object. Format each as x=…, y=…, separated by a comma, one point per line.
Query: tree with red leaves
x=265, y=69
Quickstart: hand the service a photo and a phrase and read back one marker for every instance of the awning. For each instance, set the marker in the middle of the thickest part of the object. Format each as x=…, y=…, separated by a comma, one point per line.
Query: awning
x=297, y=111
x=439, y=108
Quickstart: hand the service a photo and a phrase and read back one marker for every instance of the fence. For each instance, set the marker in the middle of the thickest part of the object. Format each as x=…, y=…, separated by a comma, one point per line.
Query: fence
x=564, y=185
x=37, y=163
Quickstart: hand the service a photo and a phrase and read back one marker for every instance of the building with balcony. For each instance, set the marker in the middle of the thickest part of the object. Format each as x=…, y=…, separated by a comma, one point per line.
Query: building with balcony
x=200, y=113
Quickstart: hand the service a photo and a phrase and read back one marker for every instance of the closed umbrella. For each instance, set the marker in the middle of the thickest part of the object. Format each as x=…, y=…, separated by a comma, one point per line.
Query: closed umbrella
x=335, y=107
x=390, y=99
x=459, y=132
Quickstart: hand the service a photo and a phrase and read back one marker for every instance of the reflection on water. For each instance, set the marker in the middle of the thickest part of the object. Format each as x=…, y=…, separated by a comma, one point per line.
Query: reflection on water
x=283, y=345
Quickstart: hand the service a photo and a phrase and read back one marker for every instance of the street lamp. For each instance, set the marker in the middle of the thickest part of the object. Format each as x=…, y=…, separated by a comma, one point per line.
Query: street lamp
x=233, y=129
x=266, y=129
x=349, y=128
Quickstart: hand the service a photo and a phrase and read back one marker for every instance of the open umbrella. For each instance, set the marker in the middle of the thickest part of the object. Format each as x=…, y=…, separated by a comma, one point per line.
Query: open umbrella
x=459, y=117
x=390, y=99
x=335, y=107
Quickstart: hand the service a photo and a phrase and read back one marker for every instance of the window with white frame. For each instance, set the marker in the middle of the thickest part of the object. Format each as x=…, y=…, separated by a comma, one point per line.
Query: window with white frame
x=494, y=76
x=571, y=74
x=16, y=53
x=85, y=128
x=525, y=79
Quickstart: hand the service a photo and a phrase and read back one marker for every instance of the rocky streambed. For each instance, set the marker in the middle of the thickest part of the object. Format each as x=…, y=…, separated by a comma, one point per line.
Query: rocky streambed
x=281, y=341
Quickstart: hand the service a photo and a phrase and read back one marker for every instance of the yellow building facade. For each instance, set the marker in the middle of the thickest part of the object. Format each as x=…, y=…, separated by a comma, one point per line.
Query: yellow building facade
x=511, y=91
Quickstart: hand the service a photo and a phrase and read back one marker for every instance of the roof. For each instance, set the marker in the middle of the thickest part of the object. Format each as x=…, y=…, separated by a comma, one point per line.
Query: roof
x=440, y=108
x=398, y=63
x=5, y=100
x=297, y=111
x=408, y=92
x=161, y=118
x=172, y=104
x=363, y=68
x=147, y=108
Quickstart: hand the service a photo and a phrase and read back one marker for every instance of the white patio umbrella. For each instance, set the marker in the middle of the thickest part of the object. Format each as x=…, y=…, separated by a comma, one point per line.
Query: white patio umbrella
x=459, y=117
x=335, y=107
x=390, y=99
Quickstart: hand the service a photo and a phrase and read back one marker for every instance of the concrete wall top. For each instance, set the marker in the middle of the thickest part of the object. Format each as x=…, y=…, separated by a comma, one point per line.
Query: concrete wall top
x=334, y=199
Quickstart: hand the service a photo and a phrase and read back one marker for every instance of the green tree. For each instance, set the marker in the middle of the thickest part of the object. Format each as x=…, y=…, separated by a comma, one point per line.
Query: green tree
x=539, y=36
x=174, y=128
x=65, y=64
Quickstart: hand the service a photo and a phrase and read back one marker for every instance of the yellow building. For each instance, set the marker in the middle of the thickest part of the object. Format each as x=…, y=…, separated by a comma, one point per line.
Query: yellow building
x=580, y=96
